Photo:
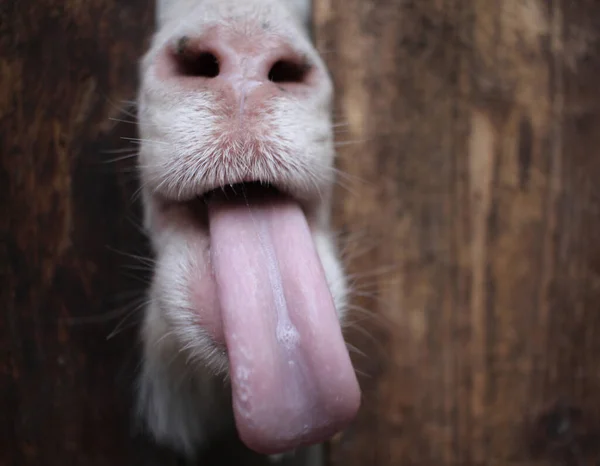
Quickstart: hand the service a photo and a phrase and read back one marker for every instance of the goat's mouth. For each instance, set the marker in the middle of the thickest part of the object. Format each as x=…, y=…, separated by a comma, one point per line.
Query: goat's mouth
x=245, y=191
x=280, y=328
x=280, y=325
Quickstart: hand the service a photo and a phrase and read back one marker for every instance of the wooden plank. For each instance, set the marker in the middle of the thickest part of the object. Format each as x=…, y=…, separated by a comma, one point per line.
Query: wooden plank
x=474, y=226
x=473, y=127
x=67, y=339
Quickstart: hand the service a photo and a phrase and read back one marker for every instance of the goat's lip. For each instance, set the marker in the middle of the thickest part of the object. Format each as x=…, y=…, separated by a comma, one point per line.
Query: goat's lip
x=245, y=191
x=255, y=191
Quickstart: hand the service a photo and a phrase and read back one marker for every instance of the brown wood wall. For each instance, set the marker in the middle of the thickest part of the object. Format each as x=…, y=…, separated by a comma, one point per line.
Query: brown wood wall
x=470, y=213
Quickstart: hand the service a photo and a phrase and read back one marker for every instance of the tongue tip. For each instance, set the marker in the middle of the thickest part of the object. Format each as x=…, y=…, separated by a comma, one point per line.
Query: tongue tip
x=284, y=446
x=268, y=446
x=268, y=443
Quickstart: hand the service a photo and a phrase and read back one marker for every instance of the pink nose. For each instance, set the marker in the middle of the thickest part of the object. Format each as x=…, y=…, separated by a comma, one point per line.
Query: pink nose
x=240, y=66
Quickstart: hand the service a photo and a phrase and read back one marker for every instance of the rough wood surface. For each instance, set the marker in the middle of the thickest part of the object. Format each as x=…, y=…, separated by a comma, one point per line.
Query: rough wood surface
x=476, y=129
x=65, y=69
x=470, y=214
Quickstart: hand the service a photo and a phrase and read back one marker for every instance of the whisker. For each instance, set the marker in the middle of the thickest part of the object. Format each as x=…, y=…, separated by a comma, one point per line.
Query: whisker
x=377, y=272
x=325, y=177
x=371, y=316
x=349, y=177
x=127, y=104
x=139, y=268
x=350, y=252
x=143, y=259
x=116, y=151
x=371, y=286
x=354, y=349
x=123, y=107
x=97, y=319
x=349, y=143
x=163, y=143
x=340, y=124
x=139, y=227
x=137, y=277
x=138, y=192
x=120, y=159
x=362, y=373
x=121, y=327
x=346, y=187
x=327, y=51
x=374, y=341
x=119, y=120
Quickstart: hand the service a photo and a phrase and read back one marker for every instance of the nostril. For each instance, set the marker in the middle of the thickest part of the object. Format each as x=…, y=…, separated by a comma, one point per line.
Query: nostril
x=204, y=65
x=289, y=71
x=196, y=63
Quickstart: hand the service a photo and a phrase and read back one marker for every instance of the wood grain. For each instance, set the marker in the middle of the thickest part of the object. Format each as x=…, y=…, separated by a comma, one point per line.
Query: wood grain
x=473, y=160
x=67, y=228
x=468, y=210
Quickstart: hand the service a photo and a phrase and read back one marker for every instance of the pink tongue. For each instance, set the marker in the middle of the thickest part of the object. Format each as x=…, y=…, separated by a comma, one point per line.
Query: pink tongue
x=293, y=383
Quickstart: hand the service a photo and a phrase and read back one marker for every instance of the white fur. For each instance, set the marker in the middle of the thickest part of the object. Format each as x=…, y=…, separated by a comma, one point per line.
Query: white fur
x=175, y=10
x=183, y=397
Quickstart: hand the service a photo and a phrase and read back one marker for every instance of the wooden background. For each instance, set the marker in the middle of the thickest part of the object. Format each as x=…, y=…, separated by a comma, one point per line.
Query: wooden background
x=469, y=212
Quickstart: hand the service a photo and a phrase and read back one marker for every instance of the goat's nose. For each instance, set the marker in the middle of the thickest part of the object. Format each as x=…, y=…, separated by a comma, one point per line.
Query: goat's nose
x=240, y=65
